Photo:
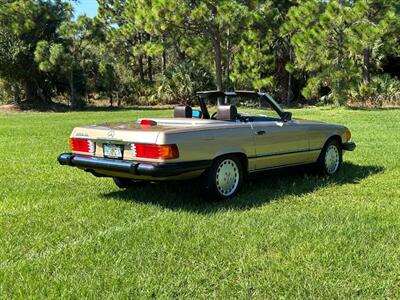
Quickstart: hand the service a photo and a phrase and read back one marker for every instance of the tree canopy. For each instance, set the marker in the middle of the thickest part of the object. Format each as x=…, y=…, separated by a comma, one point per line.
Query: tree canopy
x=159, y=51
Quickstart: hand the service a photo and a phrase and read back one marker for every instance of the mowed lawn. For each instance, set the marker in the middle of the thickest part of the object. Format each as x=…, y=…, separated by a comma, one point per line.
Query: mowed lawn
x=66, y=233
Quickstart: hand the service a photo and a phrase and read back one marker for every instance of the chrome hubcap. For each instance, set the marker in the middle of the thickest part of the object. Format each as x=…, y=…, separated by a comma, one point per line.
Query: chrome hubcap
x=332, y=159
x=227, y=178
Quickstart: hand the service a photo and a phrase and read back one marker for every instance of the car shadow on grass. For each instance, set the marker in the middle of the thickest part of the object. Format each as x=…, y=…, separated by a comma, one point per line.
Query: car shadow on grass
x=256, y=191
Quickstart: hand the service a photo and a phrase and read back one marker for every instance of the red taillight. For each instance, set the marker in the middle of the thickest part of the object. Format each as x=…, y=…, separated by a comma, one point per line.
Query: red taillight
x=155, y=151
x=81, y=145
x=148, y=123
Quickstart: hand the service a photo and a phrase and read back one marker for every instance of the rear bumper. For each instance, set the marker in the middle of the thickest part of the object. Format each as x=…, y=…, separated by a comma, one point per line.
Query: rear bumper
x=349, y=146
x=91, y=164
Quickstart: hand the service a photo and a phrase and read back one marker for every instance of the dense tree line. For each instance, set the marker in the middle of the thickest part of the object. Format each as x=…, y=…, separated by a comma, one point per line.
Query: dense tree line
x=142, y=51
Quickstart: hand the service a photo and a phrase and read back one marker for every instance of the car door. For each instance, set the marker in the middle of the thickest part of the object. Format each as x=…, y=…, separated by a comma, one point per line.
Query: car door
x=280, y=143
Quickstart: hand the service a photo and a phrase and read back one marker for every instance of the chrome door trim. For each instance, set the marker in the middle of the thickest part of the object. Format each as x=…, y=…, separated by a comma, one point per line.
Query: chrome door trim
x=283, y=153
x=279, y=167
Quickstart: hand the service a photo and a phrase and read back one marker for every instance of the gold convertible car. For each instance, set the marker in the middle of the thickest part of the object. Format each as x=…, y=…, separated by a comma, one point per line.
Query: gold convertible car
x=221, y=148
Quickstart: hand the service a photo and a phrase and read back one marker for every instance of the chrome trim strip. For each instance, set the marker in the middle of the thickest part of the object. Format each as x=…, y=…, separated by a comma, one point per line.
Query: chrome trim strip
x=283, y=153
x=280, y=167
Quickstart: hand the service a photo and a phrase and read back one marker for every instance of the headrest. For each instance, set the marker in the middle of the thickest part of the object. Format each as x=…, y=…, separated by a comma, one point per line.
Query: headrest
x=227, y=113
x=182, y=112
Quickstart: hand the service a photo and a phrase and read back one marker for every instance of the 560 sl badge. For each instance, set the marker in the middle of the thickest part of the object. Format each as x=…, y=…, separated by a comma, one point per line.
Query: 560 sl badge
x=82, y=134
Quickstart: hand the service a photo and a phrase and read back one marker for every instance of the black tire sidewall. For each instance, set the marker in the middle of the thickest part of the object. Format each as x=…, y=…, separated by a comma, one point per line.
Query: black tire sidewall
x=126, y=183
x=210, y=190
x=321, y=159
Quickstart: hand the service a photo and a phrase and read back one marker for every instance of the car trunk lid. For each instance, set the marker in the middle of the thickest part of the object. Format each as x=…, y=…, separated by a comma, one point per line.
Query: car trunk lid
x=135, y=132
x=122, y=132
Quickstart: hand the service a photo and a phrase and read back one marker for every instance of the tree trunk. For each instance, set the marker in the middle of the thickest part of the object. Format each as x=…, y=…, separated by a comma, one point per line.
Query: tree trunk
x=340, y=42
x=150, y=68
x=72, y=89
x=111, y=100
x=340, y=51
x=339, y=93
x=181, y=54
x=228, y=58
x=289, y=87
x=17, y=93
x=141, y=72
x=29, y=91
x=218, y=65
x=366, y=66
x=289, y=91
x=118, y=100
x=35, y=95
x=42, y=96
x=164, y=61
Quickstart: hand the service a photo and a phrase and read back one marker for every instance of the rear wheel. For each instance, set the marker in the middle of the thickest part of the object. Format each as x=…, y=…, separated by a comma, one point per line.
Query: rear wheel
x=224, y=178
x=126, y=183
x=330, y=159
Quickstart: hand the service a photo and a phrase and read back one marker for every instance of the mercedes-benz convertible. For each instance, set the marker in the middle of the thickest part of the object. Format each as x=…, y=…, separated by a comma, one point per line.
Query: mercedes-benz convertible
x=220, y=147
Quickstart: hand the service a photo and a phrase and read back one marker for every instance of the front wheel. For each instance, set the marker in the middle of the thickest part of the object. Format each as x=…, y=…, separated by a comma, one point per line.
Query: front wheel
x=224, y=178
x=330, y=158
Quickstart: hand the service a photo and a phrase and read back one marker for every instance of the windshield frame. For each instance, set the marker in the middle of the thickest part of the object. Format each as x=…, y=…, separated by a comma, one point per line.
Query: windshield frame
x=205, y=96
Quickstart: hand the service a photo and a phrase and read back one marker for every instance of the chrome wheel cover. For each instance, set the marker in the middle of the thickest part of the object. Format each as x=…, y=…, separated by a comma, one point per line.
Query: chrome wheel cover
x=227, y=177
x=332, y=159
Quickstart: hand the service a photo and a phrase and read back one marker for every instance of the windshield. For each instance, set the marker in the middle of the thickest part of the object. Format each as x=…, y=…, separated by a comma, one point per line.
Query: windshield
x=248, y=103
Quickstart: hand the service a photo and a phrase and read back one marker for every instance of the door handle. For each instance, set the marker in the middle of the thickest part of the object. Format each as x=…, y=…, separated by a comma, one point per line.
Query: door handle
x=260, y=132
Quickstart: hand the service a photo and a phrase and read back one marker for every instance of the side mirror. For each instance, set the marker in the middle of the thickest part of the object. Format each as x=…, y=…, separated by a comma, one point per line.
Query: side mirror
x=286, y=116
x=197, y=114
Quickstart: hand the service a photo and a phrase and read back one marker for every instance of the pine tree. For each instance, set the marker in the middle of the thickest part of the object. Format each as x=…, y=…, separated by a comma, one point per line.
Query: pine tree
x=69, y=56
x=337, y=43
x=208, y=24
x=265, y=50
x=21, y=32
x=374, y=21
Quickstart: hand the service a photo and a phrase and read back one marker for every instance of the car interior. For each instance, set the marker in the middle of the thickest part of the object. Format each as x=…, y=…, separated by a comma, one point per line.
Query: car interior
x=223, y=113
x=183, y=112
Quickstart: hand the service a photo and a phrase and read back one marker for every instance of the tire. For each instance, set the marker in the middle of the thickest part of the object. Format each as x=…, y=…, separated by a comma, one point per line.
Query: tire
x=224, y=178
x=126, y=183
x=330, y=159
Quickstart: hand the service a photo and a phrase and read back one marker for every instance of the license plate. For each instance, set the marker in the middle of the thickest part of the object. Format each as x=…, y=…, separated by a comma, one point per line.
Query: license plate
x=112, y=151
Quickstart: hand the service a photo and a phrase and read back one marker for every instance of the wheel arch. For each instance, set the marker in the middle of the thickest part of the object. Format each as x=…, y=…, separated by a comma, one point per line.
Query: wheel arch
x=334, y=136
x=242, y=157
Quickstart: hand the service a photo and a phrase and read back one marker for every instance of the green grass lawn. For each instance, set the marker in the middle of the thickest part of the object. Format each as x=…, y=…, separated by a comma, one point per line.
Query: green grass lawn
x=65, y=233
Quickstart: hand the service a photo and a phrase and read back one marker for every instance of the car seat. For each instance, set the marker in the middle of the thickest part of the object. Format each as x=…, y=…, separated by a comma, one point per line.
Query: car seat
x=182, y=112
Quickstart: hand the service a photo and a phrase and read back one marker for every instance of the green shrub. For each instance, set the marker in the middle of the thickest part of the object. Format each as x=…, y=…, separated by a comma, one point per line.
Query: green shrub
x=381, y=91
x=6, y=93
x=179, y=83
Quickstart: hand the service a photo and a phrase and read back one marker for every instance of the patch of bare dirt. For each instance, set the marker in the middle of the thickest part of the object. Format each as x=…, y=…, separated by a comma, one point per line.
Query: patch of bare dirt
x=9, y=108
x=29, y=106
x=369, y=104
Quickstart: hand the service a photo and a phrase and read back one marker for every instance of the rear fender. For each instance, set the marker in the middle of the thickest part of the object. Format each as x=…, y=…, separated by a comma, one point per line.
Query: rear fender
x=249, y=164
x=229, y=150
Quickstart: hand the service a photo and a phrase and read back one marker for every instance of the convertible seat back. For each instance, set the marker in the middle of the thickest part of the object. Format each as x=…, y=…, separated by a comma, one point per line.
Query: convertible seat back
x=182, y=112
x=227, y=113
